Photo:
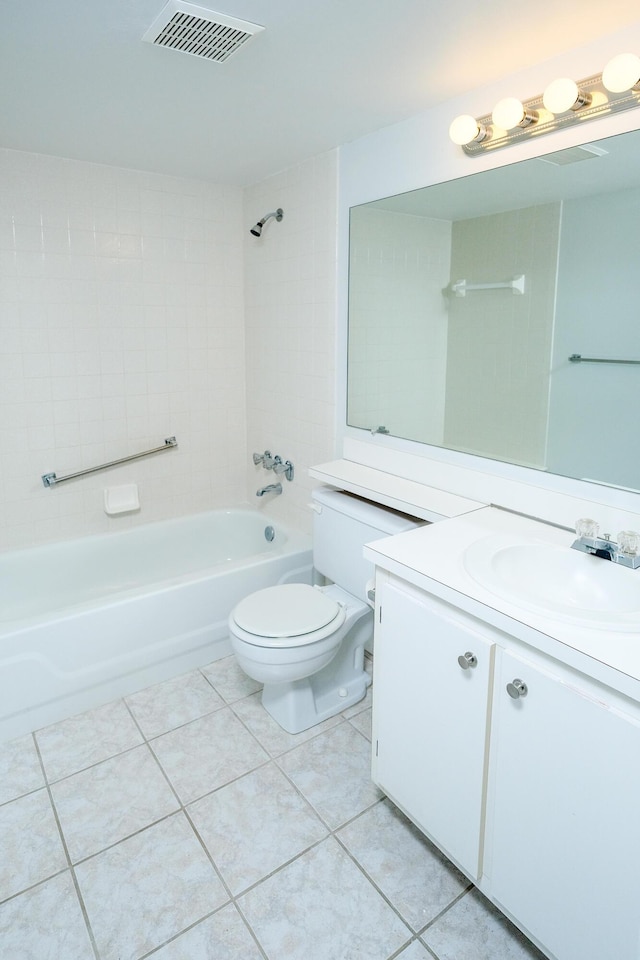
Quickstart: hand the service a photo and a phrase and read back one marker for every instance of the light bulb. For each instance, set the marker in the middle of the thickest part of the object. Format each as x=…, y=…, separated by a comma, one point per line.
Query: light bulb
x=622, y=73
x=510, y=113
x=466, y=129
x=563, y=95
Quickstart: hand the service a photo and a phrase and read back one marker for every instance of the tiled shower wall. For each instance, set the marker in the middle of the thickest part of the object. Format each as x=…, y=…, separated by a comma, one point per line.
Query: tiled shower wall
x=121, y=323
x=290, y=329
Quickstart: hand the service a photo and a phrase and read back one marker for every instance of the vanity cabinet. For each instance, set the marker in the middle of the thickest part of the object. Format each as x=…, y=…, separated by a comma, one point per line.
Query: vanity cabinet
x=525, y=772
x=432, y=689
x=563, y=811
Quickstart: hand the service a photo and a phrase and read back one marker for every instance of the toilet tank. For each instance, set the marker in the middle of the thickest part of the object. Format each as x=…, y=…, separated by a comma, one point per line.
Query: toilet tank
x=342, y=524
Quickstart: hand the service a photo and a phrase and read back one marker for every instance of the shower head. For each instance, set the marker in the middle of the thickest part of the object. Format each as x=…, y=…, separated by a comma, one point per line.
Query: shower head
x=257, y=230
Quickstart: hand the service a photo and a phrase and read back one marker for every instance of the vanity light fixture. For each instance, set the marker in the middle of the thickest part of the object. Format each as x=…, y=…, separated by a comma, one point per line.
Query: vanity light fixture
x=466, y=129
x=510, y=113
x=564, y=94
x=563, y=103
x=622, y=73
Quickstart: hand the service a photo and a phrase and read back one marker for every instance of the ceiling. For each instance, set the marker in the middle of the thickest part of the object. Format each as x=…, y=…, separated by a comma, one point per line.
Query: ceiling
x=77, y=81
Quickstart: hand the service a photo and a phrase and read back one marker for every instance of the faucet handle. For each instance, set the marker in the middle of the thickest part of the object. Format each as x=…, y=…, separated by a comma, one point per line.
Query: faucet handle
x=587, y=529
x=629, y=543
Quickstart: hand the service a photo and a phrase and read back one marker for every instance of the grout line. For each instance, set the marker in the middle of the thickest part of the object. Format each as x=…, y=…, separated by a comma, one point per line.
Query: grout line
x=209, y=855
x=53, y=806
x=85, y=913
x=375, y=885
x=251, y=930
x=280, y=867
x=32, y=886
x=54, y=782
x=21, y=796
x=72, y=871
x=456, y=899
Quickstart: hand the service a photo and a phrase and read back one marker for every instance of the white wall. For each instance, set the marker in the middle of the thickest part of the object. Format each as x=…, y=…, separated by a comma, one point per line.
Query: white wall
x=121, y=323
x=290, y=326
x=418, y=152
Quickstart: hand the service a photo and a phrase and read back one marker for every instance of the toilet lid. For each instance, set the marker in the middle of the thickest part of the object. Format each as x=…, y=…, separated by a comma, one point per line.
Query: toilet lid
x=289, y=610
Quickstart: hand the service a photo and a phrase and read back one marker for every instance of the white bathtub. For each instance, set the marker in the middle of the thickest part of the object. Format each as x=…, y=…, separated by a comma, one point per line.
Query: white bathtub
x=85, y=621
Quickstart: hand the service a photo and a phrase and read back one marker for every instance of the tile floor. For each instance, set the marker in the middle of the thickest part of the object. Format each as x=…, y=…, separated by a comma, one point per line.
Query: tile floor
x=182, y=823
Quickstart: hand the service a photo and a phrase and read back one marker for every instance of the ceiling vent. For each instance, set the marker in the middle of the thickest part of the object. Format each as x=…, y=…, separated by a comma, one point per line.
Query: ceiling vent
x=573, y=155
x=202, y=33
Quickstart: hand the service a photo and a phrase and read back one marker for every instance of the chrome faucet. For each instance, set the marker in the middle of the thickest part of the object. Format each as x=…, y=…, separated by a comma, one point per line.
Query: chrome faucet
x=274, y=463
x=271, y=488
x=280, y=467
x=265, y=459
x=626, y=551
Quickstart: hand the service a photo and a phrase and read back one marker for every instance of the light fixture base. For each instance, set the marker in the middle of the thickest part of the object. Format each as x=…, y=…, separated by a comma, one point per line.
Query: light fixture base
x=602, y=103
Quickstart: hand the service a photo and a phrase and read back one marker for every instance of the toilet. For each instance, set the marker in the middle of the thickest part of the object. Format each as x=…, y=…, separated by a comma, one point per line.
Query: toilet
x=306, y=644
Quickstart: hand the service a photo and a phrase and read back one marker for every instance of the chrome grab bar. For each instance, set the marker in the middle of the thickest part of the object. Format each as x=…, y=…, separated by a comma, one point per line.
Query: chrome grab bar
x=51, y=480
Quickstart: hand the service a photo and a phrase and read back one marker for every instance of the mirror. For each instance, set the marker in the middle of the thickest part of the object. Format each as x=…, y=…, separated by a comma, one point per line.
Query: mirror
x=468, y=298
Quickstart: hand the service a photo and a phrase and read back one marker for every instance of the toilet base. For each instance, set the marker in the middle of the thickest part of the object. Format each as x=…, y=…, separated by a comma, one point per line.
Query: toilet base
x=301, y=704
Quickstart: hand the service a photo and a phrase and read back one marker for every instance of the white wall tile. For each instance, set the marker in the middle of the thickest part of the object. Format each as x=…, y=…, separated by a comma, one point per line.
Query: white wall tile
x=121, y=310
x=290, y=328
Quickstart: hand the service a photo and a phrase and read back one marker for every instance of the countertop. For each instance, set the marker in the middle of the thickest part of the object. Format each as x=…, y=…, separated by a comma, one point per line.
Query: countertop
x=408, y=496
x=433, y=558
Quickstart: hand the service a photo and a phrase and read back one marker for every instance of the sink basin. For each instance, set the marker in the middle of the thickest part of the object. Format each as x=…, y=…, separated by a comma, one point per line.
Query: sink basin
x=557, y=581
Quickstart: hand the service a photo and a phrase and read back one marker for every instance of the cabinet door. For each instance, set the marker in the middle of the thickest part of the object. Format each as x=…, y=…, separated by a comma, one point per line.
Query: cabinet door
x=564, y=814
x=430, y=718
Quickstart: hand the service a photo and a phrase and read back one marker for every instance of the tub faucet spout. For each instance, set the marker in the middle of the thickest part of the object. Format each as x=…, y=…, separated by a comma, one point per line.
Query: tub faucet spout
x=271, y=488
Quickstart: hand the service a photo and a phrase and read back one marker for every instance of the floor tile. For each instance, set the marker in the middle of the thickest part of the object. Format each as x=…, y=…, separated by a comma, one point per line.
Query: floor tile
x=362, y=722
x=224, y=936
x=474, y=930
x=415, y=951
x=230, y=681
x=168, y=705
x=20, y=770
x=254, y=825
x=321, y=906
x=207, y=753
x=45, y=923
x=30, y=846
x=148, y=888
x=71, y=745
x=333, y=772
x=111, y=800
x=273, y=738
x=418, y=881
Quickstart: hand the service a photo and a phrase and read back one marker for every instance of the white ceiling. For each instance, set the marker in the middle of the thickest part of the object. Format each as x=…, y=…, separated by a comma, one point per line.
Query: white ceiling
x=77, y=80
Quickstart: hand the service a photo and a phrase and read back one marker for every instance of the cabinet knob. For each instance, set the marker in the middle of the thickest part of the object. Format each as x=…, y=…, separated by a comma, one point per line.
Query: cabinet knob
x=467, y=660
x=517, y=689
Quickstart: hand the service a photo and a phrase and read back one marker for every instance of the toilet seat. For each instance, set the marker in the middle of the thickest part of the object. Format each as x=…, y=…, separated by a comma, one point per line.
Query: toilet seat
x=289, y=615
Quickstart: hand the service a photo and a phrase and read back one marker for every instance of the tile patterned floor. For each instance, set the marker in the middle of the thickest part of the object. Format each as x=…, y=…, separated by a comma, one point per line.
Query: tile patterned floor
x=182, y=823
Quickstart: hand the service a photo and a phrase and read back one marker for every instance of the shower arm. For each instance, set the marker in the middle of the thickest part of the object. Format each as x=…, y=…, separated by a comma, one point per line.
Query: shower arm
x=257, y=230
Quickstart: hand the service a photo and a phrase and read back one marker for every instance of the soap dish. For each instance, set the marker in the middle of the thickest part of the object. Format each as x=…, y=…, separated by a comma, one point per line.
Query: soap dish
x=122, y=499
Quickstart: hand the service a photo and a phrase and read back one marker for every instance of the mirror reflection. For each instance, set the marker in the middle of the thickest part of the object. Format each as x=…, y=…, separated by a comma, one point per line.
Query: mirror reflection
x=467, y=300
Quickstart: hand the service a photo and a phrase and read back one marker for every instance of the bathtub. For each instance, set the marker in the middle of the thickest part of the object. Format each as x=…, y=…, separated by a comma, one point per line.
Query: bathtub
x=85, y=621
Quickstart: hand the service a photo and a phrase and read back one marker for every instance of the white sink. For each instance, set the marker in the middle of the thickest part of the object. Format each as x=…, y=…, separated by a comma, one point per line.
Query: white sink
x=557, y=581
